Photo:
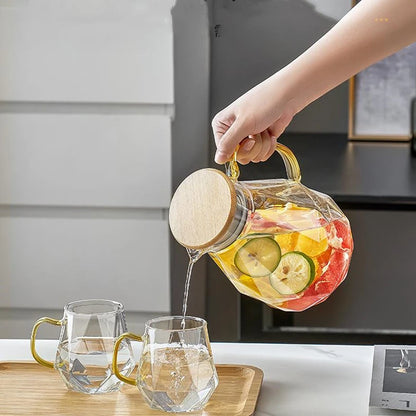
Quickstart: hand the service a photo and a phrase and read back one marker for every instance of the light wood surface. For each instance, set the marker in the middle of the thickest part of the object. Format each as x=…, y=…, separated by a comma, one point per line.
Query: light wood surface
x=202, y=208
x=26, y=388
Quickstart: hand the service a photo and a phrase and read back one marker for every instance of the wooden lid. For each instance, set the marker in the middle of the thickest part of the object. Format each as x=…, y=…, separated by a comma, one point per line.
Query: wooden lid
x=202, y=209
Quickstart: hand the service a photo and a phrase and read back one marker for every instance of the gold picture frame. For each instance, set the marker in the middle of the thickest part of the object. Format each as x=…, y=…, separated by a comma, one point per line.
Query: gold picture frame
x=371, y=116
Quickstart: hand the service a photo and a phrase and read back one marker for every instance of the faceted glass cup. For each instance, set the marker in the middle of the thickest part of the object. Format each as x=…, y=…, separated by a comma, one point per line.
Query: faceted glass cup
x=89, y=329
x=176, y=372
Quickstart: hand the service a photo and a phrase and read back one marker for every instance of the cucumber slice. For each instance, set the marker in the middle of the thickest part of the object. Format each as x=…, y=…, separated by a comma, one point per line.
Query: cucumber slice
x=294, y=273
x=258, y=257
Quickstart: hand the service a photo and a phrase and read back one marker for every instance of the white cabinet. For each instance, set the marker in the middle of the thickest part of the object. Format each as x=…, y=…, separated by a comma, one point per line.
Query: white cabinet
x=86, y=97
x=47, y=262
x=85, y=160
x=97, y=51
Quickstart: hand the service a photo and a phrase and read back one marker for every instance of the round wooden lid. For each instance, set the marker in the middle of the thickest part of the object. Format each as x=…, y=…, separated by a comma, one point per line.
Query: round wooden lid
x=202, y=209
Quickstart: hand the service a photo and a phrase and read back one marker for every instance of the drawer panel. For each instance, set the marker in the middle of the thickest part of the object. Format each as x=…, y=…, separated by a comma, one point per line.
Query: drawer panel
x=85, y=160
x=86, y=51
x=46, y=262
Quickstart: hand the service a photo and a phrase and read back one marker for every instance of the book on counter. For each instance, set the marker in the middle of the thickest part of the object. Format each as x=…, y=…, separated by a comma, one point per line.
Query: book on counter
x=393, y=382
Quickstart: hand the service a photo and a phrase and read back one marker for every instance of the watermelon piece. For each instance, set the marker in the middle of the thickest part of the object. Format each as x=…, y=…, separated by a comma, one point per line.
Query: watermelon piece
x=310, y=298
x=338, y=266
x=343, y=232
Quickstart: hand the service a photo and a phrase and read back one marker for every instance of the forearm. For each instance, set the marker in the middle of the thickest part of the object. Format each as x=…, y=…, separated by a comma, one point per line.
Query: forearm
x=371, y=31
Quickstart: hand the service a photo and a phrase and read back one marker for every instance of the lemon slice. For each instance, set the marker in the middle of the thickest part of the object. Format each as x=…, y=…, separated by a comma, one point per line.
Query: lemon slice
x=294, y=273
x=258, y=257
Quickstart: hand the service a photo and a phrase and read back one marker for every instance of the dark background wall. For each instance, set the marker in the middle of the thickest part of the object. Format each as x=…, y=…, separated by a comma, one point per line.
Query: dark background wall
x=252, y=39
x=190, y=132
x=247, y=41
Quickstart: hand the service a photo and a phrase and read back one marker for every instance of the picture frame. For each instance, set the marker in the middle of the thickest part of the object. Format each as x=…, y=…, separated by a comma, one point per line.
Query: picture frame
x=380, y=97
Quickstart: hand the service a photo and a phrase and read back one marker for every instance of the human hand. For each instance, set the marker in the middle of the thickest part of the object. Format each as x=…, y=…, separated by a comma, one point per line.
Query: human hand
x=253, y=122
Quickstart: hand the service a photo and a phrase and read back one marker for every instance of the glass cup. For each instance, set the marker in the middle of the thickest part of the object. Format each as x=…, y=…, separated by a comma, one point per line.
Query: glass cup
x=176, y=372
x=89, y=329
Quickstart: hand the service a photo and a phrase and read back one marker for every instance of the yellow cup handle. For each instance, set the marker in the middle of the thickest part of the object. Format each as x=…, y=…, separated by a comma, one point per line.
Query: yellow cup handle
x=124, y=379
x=36, y=356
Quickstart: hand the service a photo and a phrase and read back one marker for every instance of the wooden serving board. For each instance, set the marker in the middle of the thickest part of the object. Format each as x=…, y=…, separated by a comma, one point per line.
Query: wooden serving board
x=26, y=388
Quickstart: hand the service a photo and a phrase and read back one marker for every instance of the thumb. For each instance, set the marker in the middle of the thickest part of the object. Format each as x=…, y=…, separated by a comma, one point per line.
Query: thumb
x=229, y=141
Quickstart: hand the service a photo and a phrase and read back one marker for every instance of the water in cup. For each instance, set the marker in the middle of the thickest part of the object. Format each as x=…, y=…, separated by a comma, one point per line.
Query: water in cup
x=176, y=372
x=85, y=364
x=177, y=376
x=89, y=329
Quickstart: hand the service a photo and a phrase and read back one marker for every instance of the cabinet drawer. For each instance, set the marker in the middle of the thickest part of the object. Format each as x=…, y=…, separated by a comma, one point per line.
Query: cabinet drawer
x=86, y=51
x=85, y=160
x=46, y=262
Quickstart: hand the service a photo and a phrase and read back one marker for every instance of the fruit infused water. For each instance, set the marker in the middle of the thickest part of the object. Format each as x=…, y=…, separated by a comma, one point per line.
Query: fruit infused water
x=289, y=257
x=276, y=240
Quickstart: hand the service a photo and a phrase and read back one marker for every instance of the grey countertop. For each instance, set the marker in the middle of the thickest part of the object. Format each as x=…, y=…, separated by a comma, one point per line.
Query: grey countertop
x=349, y=171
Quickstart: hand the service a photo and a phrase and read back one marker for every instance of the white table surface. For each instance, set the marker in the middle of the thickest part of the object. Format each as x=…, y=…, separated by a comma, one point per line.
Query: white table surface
x=299, y=380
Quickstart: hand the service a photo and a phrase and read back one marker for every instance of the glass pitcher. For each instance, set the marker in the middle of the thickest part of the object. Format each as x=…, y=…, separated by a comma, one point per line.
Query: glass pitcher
x=276, y=240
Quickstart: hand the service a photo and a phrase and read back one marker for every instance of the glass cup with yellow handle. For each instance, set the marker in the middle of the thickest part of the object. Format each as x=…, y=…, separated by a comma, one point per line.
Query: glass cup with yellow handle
x=89, y=329
x=176, y=372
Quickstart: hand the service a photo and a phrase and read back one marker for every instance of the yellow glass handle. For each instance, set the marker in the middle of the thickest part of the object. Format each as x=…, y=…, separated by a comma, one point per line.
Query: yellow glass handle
x=289, y=159
x=36, y=356
x=124, y=379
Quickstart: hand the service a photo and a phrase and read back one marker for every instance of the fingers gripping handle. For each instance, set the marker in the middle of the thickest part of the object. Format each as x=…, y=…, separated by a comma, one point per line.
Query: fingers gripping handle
x=124, y=379
x=36, y=356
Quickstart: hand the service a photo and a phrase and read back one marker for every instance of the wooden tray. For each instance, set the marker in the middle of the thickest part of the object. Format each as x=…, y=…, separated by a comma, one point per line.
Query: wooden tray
x=26, y=388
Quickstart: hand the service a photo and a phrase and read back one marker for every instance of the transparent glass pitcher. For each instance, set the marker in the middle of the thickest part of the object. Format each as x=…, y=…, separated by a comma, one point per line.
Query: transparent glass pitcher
x=276, y=240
